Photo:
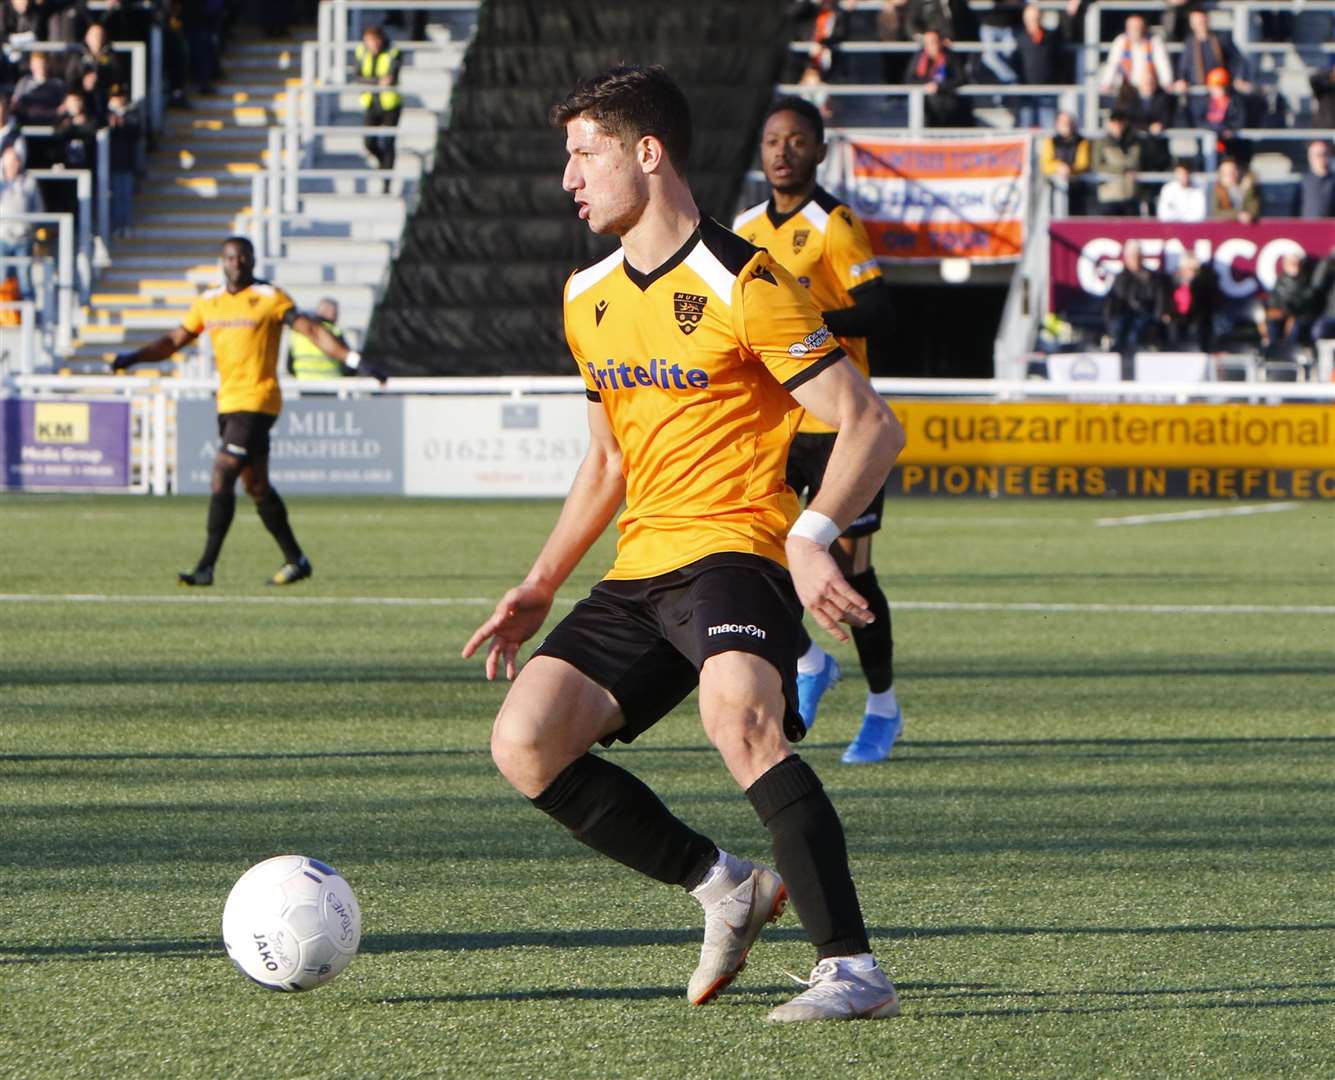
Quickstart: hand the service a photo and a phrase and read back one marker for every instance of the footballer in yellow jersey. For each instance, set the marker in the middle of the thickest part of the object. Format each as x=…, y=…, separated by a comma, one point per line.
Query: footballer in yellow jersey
x=824, y=245
x=244, y=319
x=696, y=350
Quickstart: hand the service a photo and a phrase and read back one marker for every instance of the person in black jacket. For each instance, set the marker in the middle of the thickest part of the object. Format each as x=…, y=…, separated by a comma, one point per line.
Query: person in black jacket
x=1040, y=54
x=1292, y=305
x=936, y=69
x=1136, y=307
x=1150, y=110
x=1315, y=195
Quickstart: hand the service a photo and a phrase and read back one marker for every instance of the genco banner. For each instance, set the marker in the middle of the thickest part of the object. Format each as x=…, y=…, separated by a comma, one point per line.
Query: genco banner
x=321, y=446
x=1086, y=253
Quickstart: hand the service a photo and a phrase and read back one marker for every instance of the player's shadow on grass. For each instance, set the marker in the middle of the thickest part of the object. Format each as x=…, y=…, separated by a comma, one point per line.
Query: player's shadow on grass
x=249, y=675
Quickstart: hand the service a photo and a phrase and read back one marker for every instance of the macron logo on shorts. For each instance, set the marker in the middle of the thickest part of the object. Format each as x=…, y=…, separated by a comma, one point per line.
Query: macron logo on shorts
x=236, y=451
x=750, y=629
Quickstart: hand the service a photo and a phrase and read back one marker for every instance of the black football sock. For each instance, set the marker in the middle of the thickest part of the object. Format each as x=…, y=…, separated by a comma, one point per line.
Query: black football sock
x=875, y=643
x=811, y=857
x=617, y=815
x=222, y=508
x=803, y=639
x=274, y=515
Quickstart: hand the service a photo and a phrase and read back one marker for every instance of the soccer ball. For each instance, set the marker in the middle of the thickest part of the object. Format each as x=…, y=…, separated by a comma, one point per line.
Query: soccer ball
x=291, y=923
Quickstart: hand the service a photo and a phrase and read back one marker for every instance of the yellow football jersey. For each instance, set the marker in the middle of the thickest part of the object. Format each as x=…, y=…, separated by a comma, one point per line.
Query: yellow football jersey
x=244, y=328
x=693, y=364
x=824, y=245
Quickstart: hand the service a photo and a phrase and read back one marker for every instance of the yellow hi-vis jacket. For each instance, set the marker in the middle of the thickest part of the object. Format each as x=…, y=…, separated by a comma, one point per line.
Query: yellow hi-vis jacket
x=373, y=66
x=308, y=361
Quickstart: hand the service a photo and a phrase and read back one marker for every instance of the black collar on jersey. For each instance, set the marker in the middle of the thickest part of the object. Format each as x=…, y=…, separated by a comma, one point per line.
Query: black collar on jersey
x=642, y=281
x=818, y=195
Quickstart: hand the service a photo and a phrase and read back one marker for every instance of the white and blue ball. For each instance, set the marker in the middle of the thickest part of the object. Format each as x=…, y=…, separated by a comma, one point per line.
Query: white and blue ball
x=291, y=923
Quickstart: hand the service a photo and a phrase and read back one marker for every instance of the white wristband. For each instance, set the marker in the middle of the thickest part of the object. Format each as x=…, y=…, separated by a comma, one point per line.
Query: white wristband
x=815, y=526
x=353, y=359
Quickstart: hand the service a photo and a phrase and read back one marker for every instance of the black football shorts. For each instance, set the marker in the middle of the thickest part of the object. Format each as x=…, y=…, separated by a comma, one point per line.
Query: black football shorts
x=245, y=435
x=807, y=458
x=644, y=641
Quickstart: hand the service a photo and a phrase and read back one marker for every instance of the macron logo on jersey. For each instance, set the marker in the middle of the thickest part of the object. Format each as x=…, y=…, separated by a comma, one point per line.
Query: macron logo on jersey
x=750, y=630
x=660, y=373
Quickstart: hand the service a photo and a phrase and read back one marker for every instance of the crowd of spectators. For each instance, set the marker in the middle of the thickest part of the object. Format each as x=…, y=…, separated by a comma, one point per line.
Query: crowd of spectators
x=1162, y=70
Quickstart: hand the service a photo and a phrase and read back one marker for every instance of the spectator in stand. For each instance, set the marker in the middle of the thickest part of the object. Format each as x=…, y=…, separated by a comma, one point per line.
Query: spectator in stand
x=1150, y=111
x=943, y=16
x=124, y=128
x=1040, y=59
x=1137, y=305
x=997, y=29
x=95, y=59
x=201, y=21
x=306, y=360
x=1117, y=160
x=892, y=26
x=10, y=132
x=127, y=21
x=1180, y=199
x=377, y=63
x=175, y=55
x=1223, y=113
x=829, y=28
x=38, y=95
x=1323, y=96
x=64, y=20
x=1132, y=50
x=1236, y=196
x=937, y=71
x=19, y=195
x=1323, y=298
x=21, y=22
x=1203, y=51
x=1292, y=306
x=1315, y=197
x=1174, y=21
x=1193, y=305
x=1065, y=154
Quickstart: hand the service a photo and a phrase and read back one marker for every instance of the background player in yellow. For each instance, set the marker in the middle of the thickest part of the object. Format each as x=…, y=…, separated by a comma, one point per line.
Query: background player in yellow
x=693, y=346
x=244, y=319
x=824, y=245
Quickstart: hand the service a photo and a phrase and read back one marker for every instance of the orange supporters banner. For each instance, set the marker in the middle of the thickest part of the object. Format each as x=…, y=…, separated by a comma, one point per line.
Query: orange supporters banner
x=927, y=199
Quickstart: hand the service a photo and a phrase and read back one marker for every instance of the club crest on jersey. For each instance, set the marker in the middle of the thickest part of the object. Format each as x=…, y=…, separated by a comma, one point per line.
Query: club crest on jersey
x=689, y=309
x=800, y=239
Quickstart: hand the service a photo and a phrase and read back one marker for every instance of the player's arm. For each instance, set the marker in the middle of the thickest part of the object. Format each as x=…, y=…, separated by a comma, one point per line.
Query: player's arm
x=170, y=342
x=868, y=441
x=850, y=259
x=594, y=497
x=329, y=343
x=870, y=311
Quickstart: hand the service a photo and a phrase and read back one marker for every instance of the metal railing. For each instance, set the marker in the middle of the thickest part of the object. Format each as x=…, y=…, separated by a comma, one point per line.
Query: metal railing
x=340, y=27
x=66, y=278
x=83, y=190
x=24, y=336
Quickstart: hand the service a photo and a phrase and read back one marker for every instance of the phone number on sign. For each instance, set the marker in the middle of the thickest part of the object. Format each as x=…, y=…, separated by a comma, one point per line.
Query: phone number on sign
x=502, y=450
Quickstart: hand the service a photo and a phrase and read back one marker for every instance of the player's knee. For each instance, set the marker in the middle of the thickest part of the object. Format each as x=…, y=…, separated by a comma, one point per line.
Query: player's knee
x=518, y=751
x=223, y=479
x=257, y=488
x=745, y=725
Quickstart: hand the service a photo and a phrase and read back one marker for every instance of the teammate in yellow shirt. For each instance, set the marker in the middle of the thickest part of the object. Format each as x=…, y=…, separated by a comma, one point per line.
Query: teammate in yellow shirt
x=823, y=244
x=695, y=348
x=244, y=319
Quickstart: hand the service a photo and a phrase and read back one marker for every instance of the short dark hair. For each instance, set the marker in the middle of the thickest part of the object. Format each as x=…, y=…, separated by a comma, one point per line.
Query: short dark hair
x=803, y=108
x=1120, y=115
x=630, y=102
x=1184, y=163
x=241, y=241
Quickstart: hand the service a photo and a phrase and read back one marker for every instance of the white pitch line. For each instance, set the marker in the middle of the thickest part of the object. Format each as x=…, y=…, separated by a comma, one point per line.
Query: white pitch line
x=480, y=601
x=1196, y=515
x=1131, y=609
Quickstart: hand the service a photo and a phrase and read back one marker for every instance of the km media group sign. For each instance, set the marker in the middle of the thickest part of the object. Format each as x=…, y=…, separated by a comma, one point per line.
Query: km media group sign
x=64, y=445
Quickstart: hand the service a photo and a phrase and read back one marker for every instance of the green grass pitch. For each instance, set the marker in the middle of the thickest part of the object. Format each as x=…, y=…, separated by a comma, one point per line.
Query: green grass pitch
x=1104, y=848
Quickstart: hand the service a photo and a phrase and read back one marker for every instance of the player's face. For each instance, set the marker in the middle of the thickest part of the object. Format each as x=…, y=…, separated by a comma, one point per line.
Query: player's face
x=604, y=177
x=238, y=265
x=789, y=152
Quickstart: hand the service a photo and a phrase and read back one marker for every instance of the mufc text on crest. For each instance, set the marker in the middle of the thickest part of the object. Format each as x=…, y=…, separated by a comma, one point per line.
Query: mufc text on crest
x=689, y=309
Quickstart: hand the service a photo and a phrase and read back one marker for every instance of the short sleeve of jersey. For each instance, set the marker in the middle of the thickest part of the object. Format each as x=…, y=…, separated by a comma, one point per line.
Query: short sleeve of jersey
x=848, y=250
x=282, y=303
x=194, y=318
x=780, y=324
x=590, y=389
